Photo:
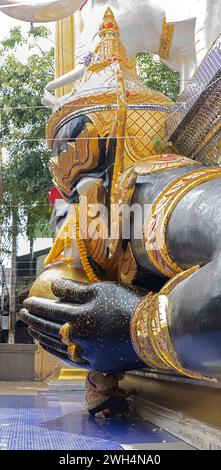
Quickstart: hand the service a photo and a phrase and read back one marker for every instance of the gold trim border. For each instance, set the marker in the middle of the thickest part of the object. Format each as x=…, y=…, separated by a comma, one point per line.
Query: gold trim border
x=150, y=334
x=156, y=224
x=166, y=39
x=207, y=140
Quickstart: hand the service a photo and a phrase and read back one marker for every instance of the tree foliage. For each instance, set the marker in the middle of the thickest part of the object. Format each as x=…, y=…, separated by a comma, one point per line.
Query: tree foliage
x=158, y=76
x=26, y=178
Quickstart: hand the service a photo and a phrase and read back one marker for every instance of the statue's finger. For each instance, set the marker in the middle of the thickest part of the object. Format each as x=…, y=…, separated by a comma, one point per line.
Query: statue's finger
x=72, y=350
x=65, y=357
x=73, y=291
x=39, y=323
x=56, y=311
x=48, y=341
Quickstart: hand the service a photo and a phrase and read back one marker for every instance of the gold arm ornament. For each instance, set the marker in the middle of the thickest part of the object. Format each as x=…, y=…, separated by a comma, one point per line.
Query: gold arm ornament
x=150, y=333
x=156, y=224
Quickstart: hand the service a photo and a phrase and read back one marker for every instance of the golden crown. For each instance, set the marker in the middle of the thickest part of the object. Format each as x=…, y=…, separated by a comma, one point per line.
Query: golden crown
x=97, y=90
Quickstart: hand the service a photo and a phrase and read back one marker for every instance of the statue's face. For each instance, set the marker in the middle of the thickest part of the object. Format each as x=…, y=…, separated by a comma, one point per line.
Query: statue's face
x=78, y=151
x=81, y=146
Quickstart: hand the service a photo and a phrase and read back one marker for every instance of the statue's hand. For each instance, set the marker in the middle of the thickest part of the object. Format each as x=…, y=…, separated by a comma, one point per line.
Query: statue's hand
x=99, y=323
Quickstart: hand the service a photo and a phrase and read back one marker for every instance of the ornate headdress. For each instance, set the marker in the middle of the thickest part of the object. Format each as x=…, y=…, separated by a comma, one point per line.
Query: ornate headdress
x=97, y=95
x=97, y=90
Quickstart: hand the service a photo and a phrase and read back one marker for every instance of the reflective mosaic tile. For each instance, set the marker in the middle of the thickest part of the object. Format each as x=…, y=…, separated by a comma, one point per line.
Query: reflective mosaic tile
x=56, y=421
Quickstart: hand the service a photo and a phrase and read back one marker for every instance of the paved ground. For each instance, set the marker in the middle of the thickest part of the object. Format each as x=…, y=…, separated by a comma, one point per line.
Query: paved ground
x=33, y=418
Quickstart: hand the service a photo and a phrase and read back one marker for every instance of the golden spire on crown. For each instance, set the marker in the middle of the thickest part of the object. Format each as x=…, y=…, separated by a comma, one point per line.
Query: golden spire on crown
x=110, y=48
x=109, y=26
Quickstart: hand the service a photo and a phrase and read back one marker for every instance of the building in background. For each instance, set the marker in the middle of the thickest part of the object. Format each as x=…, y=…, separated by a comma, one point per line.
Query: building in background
x=28, y=268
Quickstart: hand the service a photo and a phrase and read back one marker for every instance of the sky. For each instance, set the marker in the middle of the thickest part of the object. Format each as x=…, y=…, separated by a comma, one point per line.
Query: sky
x=6, y=23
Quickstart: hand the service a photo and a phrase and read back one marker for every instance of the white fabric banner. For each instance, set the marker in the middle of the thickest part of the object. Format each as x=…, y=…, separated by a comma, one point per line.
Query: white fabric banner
x=181, y=10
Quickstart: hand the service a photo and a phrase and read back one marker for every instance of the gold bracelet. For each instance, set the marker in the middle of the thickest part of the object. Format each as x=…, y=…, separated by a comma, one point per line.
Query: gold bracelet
x=157, y=222
x=140, y=334
x=159, y=331
x=150, y=333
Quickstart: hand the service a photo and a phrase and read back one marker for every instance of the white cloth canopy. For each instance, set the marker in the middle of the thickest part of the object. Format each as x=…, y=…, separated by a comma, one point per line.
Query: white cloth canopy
x=182, y=10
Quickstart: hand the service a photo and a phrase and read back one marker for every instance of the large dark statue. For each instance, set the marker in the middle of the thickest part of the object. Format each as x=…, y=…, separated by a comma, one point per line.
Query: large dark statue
x=152, y=295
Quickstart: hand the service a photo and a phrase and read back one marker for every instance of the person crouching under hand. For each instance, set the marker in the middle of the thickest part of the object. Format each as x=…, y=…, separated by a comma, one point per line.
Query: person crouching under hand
x=104, y=397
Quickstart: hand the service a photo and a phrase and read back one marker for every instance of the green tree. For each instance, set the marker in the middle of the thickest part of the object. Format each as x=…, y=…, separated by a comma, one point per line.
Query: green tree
x=158, y=76
x=25, y=174
x=26, y=178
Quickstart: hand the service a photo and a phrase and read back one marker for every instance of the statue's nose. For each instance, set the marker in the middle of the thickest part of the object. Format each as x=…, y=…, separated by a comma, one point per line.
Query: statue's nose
x=40, y=11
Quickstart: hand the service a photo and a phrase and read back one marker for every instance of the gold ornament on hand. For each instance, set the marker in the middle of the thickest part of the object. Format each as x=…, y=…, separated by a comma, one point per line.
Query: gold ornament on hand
x=65, y=333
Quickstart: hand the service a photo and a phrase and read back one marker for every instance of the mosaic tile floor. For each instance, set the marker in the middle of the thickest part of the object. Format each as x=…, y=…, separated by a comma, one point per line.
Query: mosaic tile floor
x=58, y=420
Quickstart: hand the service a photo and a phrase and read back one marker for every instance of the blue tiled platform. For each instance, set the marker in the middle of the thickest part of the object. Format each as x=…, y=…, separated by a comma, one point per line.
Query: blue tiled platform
x=55, y=421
